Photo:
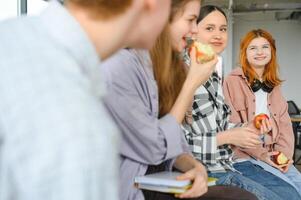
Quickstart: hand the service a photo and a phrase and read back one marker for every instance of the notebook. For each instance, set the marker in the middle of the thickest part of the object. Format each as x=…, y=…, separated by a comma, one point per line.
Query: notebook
x=166, y=182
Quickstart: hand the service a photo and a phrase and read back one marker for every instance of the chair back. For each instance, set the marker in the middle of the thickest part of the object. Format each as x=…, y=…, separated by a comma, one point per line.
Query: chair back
x=293, y=108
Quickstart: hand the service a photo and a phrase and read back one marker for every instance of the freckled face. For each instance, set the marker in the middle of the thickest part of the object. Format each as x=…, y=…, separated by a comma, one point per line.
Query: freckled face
x=259, y=52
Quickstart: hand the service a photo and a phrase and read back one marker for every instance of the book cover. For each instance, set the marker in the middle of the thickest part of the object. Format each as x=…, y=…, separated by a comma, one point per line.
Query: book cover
x=166, y=182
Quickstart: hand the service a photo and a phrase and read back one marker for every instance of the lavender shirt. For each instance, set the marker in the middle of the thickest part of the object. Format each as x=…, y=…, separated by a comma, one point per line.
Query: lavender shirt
x=132, y=100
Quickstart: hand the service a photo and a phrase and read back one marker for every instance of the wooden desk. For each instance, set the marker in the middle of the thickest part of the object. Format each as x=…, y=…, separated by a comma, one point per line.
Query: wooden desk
x=295, y=118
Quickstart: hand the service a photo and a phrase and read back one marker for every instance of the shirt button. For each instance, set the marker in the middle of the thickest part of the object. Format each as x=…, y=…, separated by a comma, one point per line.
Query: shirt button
x=269, y=104
x=253, y=113
x=253, y=100
x=274, y=114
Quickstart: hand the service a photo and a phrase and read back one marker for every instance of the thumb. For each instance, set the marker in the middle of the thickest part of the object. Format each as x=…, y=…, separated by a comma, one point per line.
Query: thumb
x=273, y=153
x=186, y=176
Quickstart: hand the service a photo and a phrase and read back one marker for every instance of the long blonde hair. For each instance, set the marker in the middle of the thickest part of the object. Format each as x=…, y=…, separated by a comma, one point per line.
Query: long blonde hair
x=169, y=70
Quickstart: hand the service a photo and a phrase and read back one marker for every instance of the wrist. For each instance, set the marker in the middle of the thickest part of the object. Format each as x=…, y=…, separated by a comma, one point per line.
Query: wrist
x=200, y=168
x=189, y=85
x=223, y=138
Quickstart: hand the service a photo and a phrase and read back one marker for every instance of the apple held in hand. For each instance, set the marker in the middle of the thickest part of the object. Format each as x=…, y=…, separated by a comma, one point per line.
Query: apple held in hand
x=280, y=159
x=258, y=119
x=204, y=52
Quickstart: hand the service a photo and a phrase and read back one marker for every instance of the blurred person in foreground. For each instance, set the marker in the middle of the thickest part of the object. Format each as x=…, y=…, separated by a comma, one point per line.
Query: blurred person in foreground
x=55, y=134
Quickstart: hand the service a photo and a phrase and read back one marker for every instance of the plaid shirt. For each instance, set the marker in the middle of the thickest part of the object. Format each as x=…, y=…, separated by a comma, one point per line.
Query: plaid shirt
x=209, y=116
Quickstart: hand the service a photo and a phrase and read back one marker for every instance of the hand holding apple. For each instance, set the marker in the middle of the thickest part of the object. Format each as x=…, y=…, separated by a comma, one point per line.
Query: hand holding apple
x=244, y=137
x=204, y=52
x=285, y=167
x=269, y=158
x=259, y=118
x=199, y=73
x=280, y=159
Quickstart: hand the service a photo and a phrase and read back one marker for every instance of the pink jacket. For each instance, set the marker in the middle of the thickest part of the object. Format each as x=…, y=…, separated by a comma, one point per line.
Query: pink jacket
x=241, y=99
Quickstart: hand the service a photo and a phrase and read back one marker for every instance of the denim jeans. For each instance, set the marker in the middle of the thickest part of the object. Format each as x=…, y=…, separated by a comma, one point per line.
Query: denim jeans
x=257, y=181
x=292, y=176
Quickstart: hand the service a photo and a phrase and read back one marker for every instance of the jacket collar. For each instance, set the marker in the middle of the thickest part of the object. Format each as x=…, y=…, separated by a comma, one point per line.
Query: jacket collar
x=238, y=72
x=214, y=90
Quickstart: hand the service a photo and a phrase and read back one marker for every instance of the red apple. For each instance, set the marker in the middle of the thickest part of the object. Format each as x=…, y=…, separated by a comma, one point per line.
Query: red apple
x=258, y=120
x=204, y=52
x=280, y=159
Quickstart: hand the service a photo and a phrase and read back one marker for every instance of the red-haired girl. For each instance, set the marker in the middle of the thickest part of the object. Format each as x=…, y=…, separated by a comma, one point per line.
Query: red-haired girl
x=255, y=88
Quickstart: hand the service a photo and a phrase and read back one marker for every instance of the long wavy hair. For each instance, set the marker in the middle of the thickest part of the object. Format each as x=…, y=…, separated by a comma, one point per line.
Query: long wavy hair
x=169, y=70
x=271, y=70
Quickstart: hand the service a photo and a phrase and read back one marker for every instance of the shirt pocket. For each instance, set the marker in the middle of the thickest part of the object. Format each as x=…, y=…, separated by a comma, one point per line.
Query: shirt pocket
x=204, y=117
x=202, y=107
x=239, y=104
x=241, y=107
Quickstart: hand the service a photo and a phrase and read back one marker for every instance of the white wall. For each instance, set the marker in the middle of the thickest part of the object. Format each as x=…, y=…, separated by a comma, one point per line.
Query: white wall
x=287, y=34
x=35, y=6
x=8, y=9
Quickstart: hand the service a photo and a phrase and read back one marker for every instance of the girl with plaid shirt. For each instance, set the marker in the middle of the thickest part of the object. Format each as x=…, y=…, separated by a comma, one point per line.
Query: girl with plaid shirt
x=210, y=135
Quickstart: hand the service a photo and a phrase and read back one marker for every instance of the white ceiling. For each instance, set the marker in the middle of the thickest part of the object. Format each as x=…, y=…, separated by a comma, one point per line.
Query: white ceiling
x=257, y=5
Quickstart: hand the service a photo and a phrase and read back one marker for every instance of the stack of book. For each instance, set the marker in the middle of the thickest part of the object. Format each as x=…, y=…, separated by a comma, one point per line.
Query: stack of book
x=166, y=182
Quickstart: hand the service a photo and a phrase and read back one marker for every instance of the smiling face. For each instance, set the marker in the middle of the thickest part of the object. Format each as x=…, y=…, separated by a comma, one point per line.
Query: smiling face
x=213, y=30
x=184, y=25
x=259, y=52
